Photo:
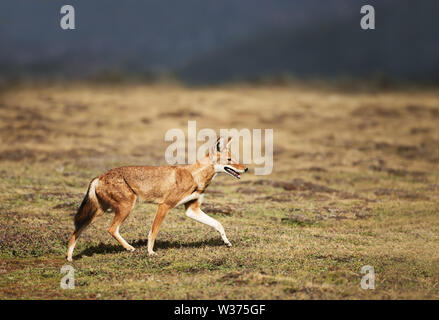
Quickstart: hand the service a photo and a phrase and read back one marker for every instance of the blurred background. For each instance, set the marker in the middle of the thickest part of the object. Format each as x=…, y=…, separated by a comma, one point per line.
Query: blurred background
x=210, y=41
x=355, y=116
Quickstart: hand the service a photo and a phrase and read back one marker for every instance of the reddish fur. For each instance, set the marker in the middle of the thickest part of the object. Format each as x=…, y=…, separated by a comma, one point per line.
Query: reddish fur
x=165, y=185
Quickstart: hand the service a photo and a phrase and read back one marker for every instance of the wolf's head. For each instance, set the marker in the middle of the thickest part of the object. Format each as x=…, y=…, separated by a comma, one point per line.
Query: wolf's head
x=223, y=160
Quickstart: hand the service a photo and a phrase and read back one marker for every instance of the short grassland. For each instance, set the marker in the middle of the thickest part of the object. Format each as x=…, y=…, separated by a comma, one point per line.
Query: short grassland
x=355, y=182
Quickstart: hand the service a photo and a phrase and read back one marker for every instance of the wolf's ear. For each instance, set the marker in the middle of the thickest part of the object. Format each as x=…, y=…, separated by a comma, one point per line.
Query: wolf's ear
x=220, y=144
x=229, y=141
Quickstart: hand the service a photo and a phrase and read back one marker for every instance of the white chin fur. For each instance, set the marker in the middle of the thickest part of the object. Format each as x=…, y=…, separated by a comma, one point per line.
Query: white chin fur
x=221, y=169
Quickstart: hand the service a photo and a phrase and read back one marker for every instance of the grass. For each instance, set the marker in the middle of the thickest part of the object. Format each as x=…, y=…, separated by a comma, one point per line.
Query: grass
x=355, y=182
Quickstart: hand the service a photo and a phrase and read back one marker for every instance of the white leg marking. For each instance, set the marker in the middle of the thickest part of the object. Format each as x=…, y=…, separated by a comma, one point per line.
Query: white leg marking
x=125, y=244
x=70, y=253
x=201, y=198
x=150, y=244
x=200, y=216
x=188, y=198
x=72, y=247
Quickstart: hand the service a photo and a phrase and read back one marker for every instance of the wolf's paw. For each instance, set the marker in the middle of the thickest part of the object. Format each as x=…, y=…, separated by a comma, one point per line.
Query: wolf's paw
x=131, y=249
x=228, y=244
x=152, y=253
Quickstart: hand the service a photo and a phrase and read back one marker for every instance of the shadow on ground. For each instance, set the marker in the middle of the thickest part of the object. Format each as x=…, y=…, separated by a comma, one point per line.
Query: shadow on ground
x=104, y=248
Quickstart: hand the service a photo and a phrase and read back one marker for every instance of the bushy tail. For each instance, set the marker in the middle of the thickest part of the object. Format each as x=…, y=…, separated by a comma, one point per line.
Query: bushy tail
x=89, y=207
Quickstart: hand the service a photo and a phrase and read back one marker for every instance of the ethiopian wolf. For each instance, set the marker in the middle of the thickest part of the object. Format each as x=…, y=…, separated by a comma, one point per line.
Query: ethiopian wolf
x=167, y=186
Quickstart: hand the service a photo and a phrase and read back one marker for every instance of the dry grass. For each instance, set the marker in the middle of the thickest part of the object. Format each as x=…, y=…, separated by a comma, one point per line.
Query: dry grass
x=355, y=182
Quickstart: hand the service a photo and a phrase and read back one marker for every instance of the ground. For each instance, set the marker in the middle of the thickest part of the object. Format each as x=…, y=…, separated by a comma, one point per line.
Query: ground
x=355, y=182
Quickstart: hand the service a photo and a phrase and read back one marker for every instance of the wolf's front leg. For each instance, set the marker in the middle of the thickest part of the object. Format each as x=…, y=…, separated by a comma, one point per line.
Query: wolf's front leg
x=158, y=219
x=193, y=211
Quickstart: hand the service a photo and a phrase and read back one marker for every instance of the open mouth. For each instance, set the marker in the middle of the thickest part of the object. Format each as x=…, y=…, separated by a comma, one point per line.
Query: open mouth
x=232, y=172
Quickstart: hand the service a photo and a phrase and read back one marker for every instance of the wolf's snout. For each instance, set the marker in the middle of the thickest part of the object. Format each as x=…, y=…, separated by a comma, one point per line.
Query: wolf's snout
x=246, y=169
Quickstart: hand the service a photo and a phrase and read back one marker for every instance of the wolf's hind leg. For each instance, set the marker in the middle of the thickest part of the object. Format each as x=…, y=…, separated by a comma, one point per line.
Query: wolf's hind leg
x=87, y=213
x=122, y=210
x=72, y=243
